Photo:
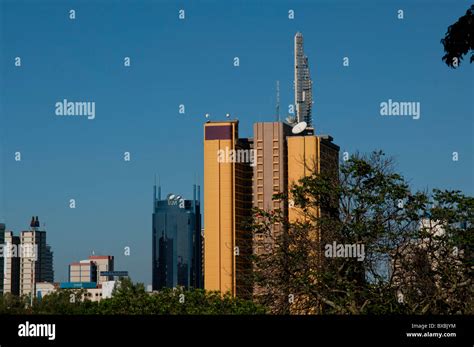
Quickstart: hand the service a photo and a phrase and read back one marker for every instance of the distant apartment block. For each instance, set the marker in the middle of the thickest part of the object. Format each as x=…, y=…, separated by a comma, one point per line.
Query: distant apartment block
x=2, y=258
x=103, y=263
x=92, y=290
x=83, y=271
x=36, y=260
x=90, y=270
x=12, y=264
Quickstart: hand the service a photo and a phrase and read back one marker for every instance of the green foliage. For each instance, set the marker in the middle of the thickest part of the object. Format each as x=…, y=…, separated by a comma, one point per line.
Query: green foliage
x=407, y=268
x=459, y=39
x=418, y=255
x=12, y=304
x=129, y=298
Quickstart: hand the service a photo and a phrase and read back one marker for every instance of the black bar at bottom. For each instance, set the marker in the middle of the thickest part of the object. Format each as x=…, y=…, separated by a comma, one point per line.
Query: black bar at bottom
x=245, y=330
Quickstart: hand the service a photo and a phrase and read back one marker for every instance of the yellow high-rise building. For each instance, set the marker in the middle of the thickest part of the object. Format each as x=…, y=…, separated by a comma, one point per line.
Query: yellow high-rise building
x=278, y=160
x=309, y=154
x=227, y=204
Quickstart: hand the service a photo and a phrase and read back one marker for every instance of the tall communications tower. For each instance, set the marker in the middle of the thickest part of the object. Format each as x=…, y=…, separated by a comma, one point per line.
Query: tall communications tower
x=303, y=84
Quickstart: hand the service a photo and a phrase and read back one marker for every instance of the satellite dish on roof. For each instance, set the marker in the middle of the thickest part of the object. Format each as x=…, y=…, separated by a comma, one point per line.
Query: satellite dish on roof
x=299, y=128
x=227, y=115
x=171, y=197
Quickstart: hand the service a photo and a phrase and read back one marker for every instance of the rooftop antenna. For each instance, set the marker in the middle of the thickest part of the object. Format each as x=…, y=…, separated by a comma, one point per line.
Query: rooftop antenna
x=278, y=101
x=198, y=193
x=154, y=194
x=159, y=188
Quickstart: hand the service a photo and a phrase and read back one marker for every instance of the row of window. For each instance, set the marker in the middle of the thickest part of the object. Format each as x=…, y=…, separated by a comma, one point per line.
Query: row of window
x=96, y=294
x=276, y=205
x=276, y=143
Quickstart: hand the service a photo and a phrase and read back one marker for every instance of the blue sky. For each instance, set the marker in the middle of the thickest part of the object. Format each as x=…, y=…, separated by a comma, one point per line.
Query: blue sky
x=190, y=62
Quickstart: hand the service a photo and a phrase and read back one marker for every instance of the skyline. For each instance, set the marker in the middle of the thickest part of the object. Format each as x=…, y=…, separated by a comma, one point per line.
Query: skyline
x=66, y=158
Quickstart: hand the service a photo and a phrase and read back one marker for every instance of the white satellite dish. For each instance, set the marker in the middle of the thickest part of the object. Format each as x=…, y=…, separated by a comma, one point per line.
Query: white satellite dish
x=299, y=128
x=227, y=115
x=171, y=197
x=207, y=115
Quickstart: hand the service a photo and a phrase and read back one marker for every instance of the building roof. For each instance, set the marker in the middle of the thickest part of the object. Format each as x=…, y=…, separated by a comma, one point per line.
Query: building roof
x=82, y=263
x=92, y=257
x=213, y=122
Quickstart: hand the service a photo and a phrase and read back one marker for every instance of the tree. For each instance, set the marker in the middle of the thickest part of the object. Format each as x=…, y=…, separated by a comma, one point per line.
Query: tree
x=435, y=272
x=459, y=39
x=130, y=298
x=368, y=210
x=12, y=304
x=64, y=301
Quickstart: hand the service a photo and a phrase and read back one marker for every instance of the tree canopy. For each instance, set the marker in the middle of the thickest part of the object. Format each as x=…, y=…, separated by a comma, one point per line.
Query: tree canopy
x=132, y=299
x=417, y=247
x=459, y=39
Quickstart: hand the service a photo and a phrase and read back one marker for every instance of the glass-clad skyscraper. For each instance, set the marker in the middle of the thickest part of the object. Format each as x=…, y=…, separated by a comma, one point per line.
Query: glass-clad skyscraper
x=177, y=241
